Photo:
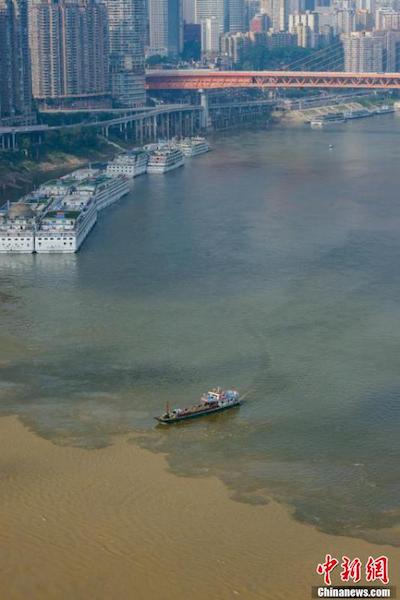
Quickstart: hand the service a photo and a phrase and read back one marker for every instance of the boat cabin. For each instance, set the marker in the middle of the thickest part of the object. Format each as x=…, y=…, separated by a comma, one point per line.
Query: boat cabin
x=214, y=395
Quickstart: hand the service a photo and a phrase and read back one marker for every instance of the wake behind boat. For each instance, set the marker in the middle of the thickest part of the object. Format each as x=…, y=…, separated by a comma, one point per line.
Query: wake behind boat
x=214, y=401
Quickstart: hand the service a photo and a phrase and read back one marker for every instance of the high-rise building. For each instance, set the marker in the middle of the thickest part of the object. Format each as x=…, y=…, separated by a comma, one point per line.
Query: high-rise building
x=234, y=16
x=230, y=14
x=211, y=9
x=281, y=39
x=344, y=20
x=308, y=18
x=127, y=31
x=364, y=20
x=363, y=52
x=166, y=27
x=326, y=36
x=251, y=9
x=387, y=19
x=15, y=73
x=298, y=6
x=280, y=10
x=392, y=52
x=259, y=23
x=189, y=11
x=234, y=45
x=69, y=48
x=365, y=5
x=306, y=26
x=266, y=7
x=210, y=32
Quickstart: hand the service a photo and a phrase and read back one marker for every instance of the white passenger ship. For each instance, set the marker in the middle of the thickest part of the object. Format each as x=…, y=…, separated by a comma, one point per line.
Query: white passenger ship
x=132, y=164
x=17, y=229
x=64, y=228
x=193, y=146
x=165, y=158
x=105, y=189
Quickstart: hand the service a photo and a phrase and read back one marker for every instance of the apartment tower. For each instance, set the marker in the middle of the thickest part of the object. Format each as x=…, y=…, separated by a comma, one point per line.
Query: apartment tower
x=15, y=72
x=69, y=48
x=127, y=31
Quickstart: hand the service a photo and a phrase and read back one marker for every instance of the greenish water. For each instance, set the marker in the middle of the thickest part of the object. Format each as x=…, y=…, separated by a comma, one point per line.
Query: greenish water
x=270, y=264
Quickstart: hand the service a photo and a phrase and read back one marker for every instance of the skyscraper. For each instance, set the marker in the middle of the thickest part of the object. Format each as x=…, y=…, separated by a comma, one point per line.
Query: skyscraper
x=188, y=10
x=210, y=31
x=15, y=73
x=387, y=19
x=392, y=51
x=363, y=52
x=127, y=30
x=278, y=12
x=234, y=18
x=306, y=26
x=229, y=13
x=69, y=48
x=211, y=9
x=344, y=20
x=166, y=27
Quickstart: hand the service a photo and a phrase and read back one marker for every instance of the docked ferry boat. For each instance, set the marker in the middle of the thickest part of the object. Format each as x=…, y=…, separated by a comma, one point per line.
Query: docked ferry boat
x=193, y=146
x=215, y=400
x=360, y=113
x=105, y=189
x=384, y=109
x=65, y=227
x=165, y=158
x=132, y=164
x=17, y=229
x=328, y=120
x=58, y=216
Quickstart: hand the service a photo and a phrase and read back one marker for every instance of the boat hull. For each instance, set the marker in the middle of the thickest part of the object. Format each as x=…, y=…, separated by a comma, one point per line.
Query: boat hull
x=195, y=415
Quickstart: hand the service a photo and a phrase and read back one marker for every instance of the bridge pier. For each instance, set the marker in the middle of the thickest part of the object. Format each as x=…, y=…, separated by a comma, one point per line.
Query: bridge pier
x=205, y=116
x=141, y=124
x=155, y=128
x=8, y=141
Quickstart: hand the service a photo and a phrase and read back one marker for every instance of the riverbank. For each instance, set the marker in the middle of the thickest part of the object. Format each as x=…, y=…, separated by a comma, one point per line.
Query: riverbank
x=115, y=523
x=19, y=176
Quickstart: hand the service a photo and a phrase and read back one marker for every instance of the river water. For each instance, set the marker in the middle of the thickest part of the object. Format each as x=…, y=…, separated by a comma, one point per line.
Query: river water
x=270, y=264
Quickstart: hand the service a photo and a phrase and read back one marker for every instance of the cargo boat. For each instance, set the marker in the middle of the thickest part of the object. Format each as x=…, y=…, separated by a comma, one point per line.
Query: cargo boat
x=215, y=400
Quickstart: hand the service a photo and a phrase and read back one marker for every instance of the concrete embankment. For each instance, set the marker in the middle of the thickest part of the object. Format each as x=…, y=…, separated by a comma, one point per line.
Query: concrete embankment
x=305, y=115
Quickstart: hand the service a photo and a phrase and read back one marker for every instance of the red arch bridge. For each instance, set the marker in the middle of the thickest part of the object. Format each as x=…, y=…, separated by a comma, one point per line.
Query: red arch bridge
x=210, y=79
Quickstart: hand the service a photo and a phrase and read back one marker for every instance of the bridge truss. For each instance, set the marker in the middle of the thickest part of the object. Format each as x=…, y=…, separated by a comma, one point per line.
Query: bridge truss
x=206, y=80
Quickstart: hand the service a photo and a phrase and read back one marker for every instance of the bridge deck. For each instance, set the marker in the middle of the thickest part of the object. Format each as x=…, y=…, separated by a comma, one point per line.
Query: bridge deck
x=210, y=79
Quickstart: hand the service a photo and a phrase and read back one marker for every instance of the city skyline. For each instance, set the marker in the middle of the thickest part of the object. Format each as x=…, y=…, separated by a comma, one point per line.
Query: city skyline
x=55, y=50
